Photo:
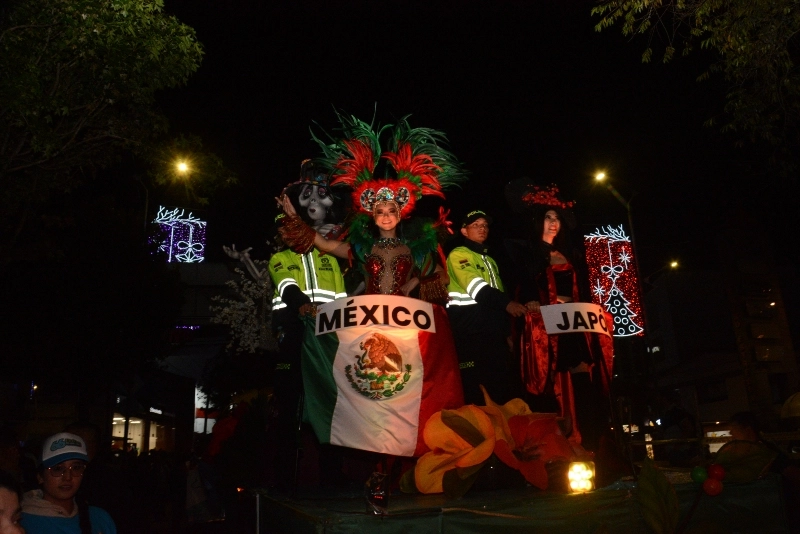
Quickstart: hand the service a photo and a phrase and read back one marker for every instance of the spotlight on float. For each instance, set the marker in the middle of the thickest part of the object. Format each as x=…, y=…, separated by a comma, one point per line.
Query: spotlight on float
x=581, y=477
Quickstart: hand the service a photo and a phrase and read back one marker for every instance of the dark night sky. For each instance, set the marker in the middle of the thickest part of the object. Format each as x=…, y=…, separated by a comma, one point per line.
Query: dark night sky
x=521, y=88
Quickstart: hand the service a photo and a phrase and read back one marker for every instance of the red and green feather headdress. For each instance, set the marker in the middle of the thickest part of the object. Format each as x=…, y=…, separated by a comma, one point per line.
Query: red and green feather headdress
x=420, y=163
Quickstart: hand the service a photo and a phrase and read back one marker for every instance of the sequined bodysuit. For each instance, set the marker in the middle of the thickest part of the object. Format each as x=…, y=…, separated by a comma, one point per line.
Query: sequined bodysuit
x=391, y=252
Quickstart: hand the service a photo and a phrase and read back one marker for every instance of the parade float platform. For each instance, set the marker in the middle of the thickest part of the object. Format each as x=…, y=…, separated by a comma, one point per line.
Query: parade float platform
x=756, y=507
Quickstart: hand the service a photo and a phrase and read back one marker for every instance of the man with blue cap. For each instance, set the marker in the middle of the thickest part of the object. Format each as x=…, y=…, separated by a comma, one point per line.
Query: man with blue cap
x=53, y=508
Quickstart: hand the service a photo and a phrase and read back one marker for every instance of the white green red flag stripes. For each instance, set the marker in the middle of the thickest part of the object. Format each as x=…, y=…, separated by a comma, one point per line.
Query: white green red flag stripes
x=375, y=368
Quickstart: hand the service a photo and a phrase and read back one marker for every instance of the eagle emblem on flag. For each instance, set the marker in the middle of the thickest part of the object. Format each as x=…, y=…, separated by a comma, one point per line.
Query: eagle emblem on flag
x=378, y=372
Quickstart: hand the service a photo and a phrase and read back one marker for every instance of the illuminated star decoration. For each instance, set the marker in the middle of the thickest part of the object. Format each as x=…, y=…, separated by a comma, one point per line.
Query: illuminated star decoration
x=612, y=267
x=182, y=238
x=598, y=289
x=624, y=257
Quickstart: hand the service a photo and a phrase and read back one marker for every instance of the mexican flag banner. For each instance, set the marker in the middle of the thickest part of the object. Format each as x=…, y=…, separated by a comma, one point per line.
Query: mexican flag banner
x=375, y=368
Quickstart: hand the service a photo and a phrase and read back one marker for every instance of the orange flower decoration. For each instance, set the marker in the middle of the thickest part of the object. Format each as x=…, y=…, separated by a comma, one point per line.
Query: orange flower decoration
x=500, y=415
x=537, y=440
x=462, y=438
x=527, y=441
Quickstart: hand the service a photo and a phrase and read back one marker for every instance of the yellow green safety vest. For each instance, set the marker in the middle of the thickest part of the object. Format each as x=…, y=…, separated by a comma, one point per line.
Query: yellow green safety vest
x=469, y=273
x=318, y=276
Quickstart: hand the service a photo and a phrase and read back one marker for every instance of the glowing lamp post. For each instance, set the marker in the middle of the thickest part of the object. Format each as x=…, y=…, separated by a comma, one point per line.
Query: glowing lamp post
x=633, y=329
x=673, y=265
x=182, y=168
x=600, y=177
x=581, y=477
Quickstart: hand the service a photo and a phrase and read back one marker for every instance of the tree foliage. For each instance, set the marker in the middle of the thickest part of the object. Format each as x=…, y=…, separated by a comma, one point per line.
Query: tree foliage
x=756, y=48
x=77, y=85
x=248, y=362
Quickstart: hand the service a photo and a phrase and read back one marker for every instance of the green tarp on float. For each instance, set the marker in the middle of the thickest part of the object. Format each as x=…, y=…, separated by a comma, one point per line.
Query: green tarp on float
x=757, y=507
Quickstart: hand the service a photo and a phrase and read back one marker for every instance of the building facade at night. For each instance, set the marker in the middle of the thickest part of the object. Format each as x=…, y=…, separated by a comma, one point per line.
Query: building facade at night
x=722, y=337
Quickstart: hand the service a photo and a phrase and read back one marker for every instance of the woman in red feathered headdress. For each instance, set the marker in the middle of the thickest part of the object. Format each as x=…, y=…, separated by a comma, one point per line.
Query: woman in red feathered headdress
x=398, y=253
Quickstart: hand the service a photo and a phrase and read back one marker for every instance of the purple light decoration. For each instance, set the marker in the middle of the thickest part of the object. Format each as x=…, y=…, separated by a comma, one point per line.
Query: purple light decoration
x=182, y=238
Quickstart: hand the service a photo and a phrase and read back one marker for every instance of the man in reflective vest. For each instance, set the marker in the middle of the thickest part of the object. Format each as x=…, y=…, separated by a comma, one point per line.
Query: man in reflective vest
x=301, y=281
x=479, y=311
x=304, y=279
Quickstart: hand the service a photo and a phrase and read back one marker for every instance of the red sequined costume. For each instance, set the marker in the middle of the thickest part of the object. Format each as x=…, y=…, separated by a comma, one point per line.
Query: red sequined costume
x=397, y=256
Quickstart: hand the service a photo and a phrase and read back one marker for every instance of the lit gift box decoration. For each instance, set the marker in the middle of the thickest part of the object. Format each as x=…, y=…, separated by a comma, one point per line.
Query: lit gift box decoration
x=581, y=476
x=615, y=282
x=182, y=238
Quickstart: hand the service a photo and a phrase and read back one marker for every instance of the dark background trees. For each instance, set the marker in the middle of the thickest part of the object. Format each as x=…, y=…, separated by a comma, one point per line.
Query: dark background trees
x=754, y=46
x=77, y=87
x=99, y=312
x=85, y=152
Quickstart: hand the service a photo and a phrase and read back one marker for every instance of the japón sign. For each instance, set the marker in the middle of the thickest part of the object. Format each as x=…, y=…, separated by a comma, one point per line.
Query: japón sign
x=375, y=310
x=576, y=317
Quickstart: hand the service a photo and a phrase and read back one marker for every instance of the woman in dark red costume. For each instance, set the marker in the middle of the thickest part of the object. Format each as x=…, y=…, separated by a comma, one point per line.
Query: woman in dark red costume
x=560, y=372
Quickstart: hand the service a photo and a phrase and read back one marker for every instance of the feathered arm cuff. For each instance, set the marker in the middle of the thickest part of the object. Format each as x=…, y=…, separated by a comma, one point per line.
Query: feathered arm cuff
x=297, y=234
x=431, y=289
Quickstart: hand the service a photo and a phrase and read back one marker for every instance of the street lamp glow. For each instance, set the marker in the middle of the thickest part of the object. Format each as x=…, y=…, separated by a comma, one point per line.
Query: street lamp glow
x=673, y=264
x=182, y=167
x=600, y=176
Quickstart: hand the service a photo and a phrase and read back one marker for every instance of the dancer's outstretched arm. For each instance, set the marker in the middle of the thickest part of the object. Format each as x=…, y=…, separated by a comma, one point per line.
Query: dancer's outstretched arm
x=340, y=249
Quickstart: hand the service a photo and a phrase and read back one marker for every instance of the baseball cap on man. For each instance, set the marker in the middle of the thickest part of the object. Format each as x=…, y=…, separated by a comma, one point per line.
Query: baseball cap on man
x=62, y=447
x=473, y=216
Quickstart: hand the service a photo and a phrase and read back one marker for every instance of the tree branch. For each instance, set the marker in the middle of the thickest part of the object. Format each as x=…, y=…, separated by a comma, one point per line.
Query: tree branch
x=24, y=27
x=78, y=144
x=25, y=214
